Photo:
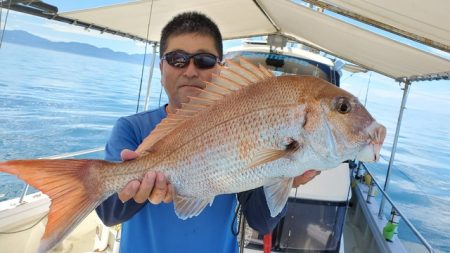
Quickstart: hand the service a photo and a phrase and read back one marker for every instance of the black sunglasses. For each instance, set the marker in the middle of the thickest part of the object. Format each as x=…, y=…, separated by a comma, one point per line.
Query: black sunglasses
x=180, y=59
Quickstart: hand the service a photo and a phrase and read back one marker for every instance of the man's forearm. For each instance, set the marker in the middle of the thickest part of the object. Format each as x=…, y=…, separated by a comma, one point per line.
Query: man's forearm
x=112, y=211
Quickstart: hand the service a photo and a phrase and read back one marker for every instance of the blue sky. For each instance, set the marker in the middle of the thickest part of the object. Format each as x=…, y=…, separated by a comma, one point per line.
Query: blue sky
x=424, y=95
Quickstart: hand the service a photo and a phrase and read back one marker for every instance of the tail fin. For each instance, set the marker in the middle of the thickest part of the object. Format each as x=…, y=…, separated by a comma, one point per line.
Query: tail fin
x=73, y=186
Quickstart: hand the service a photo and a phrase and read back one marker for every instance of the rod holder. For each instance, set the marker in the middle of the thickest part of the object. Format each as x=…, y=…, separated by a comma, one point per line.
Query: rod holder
x=390, y=230
x=371, y=192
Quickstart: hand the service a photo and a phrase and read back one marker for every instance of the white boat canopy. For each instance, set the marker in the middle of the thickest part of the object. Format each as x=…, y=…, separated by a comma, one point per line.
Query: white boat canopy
x=426, y=23
x=426, y=20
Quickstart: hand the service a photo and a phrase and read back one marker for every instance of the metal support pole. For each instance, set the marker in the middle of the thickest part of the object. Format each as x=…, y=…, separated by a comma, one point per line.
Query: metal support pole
x=152, y=65
x=394, y=145
x=24, y=193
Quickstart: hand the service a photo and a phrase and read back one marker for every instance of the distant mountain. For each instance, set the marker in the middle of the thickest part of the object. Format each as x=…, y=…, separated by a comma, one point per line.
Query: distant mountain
x=28, y=39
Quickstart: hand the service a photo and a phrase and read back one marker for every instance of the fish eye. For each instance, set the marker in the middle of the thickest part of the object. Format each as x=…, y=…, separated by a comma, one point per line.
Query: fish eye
x=343, y=106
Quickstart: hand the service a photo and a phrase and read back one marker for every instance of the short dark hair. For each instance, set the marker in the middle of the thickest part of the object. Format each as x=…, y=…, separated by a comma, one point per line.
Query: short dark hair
x=191, y=22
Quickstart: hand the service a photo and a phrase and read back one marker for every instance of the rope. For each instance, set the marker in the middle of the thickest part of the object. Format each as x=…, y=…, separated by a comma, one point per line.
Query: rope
x=367, y=91
x=347, y=77
x=6, y=19
x=237, y=211
x=347, y=206
x=145, y=55
x=160, y=94
x=290, y=224
x=242, y=228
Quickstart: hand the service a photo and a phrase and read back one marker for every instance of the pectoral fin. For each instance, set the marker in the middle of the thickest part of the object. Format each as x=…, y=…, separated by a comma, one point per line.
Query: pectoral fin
x=265, y=156
x=277, y=194
x=187, y=207
x=268, y=155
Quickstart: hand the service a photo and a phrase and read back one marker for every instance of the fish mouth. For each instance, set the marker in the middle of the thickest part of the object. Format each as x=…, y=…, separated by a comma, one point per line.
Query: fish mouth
x=371, y=151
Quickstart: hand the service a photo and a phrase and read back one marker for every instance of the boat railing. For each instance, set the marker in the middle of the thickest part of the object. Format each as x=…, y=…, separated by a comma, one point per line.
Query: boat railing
x=61, y=156
x=395, y=211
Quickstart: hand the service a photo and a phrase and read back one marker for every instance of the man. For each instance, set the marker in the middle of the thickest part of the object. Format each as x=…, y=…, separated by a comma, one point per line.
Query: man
x=191, y=50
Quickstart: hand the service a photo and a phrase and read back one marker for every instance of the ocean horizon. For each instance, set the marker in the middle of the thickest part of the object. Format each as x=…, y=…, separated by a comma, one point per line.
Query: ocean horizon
x=53, y=102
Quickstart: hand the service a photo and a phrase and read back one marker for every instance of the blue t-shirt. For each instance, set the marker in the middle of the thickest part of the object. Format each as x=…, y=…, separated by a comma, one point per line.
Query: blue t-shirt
x=156, y=228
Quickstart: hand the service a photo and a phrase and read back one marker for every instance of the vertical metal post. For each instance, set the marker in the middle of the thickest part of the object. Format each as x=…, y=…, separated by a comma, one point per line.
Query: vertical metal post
x=152, y=65
x=394, y=145
x=24, y=193
x=367, y=90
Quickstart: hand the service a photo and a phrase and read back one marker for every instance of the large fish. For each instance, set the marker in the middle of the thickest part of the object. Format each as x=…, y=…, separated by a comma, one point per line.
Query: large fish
x=245, y=129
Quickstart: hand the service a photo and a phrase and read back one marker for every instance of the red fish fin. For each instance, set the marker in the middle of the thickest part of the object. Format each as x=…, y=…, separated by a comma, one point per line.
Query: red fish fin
x=72, y=185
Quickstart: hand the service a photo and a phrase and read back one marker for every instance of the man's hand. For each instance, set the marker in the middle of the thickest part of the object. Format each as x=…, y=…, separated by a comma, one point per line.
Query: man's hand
x=154, y=186
x=305, y=178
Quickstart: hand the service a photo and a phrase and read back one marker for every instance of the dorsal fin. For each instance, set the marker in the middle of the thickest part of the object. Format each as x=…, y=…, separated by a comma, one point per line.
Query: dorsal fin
x=193, y=107
x=231, y=78
x=265, y=71
x=209, y=94
x=186, y=112
x=235, y=77
x=237, y=68
x=217, y=89
x=252, y=68
x=201, y=101
x=225, y=82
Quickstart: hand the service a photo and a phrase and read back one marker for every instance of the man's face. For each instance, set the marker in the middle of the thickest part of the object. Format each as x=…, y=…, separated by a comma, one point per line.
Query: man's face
x=180, y=83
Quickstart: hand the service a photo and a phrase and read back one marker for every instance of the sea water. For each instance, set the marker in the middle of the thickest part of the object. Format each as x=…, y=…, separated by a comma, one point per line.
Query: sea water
x=54, y=102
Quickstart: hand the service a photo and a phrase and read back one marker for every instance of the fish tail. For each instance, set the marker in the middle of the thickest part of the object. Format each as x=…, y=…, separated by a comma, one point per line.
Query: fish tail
x=73, y=186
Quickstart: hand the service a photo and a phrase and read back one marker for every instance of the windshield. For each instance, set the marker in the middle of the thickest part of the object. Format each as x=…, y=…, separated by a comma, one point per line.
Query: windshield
x=289, y=65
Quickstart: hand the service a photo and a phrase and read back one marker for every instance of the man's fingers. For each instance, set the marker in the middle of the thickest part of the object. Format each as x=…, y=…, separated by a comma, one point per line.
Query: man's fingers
x=154, y=188
x=305, y=177
x=129, y=191
x=160, y=190
x=146, y=187
x=127, y=154
x=310, y=174
x=169, y=194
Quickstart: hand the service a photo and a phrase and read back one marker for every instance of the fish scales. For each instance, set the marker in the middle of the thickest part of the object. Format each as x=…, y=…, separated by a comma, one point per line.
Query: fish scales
x=198, y=163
